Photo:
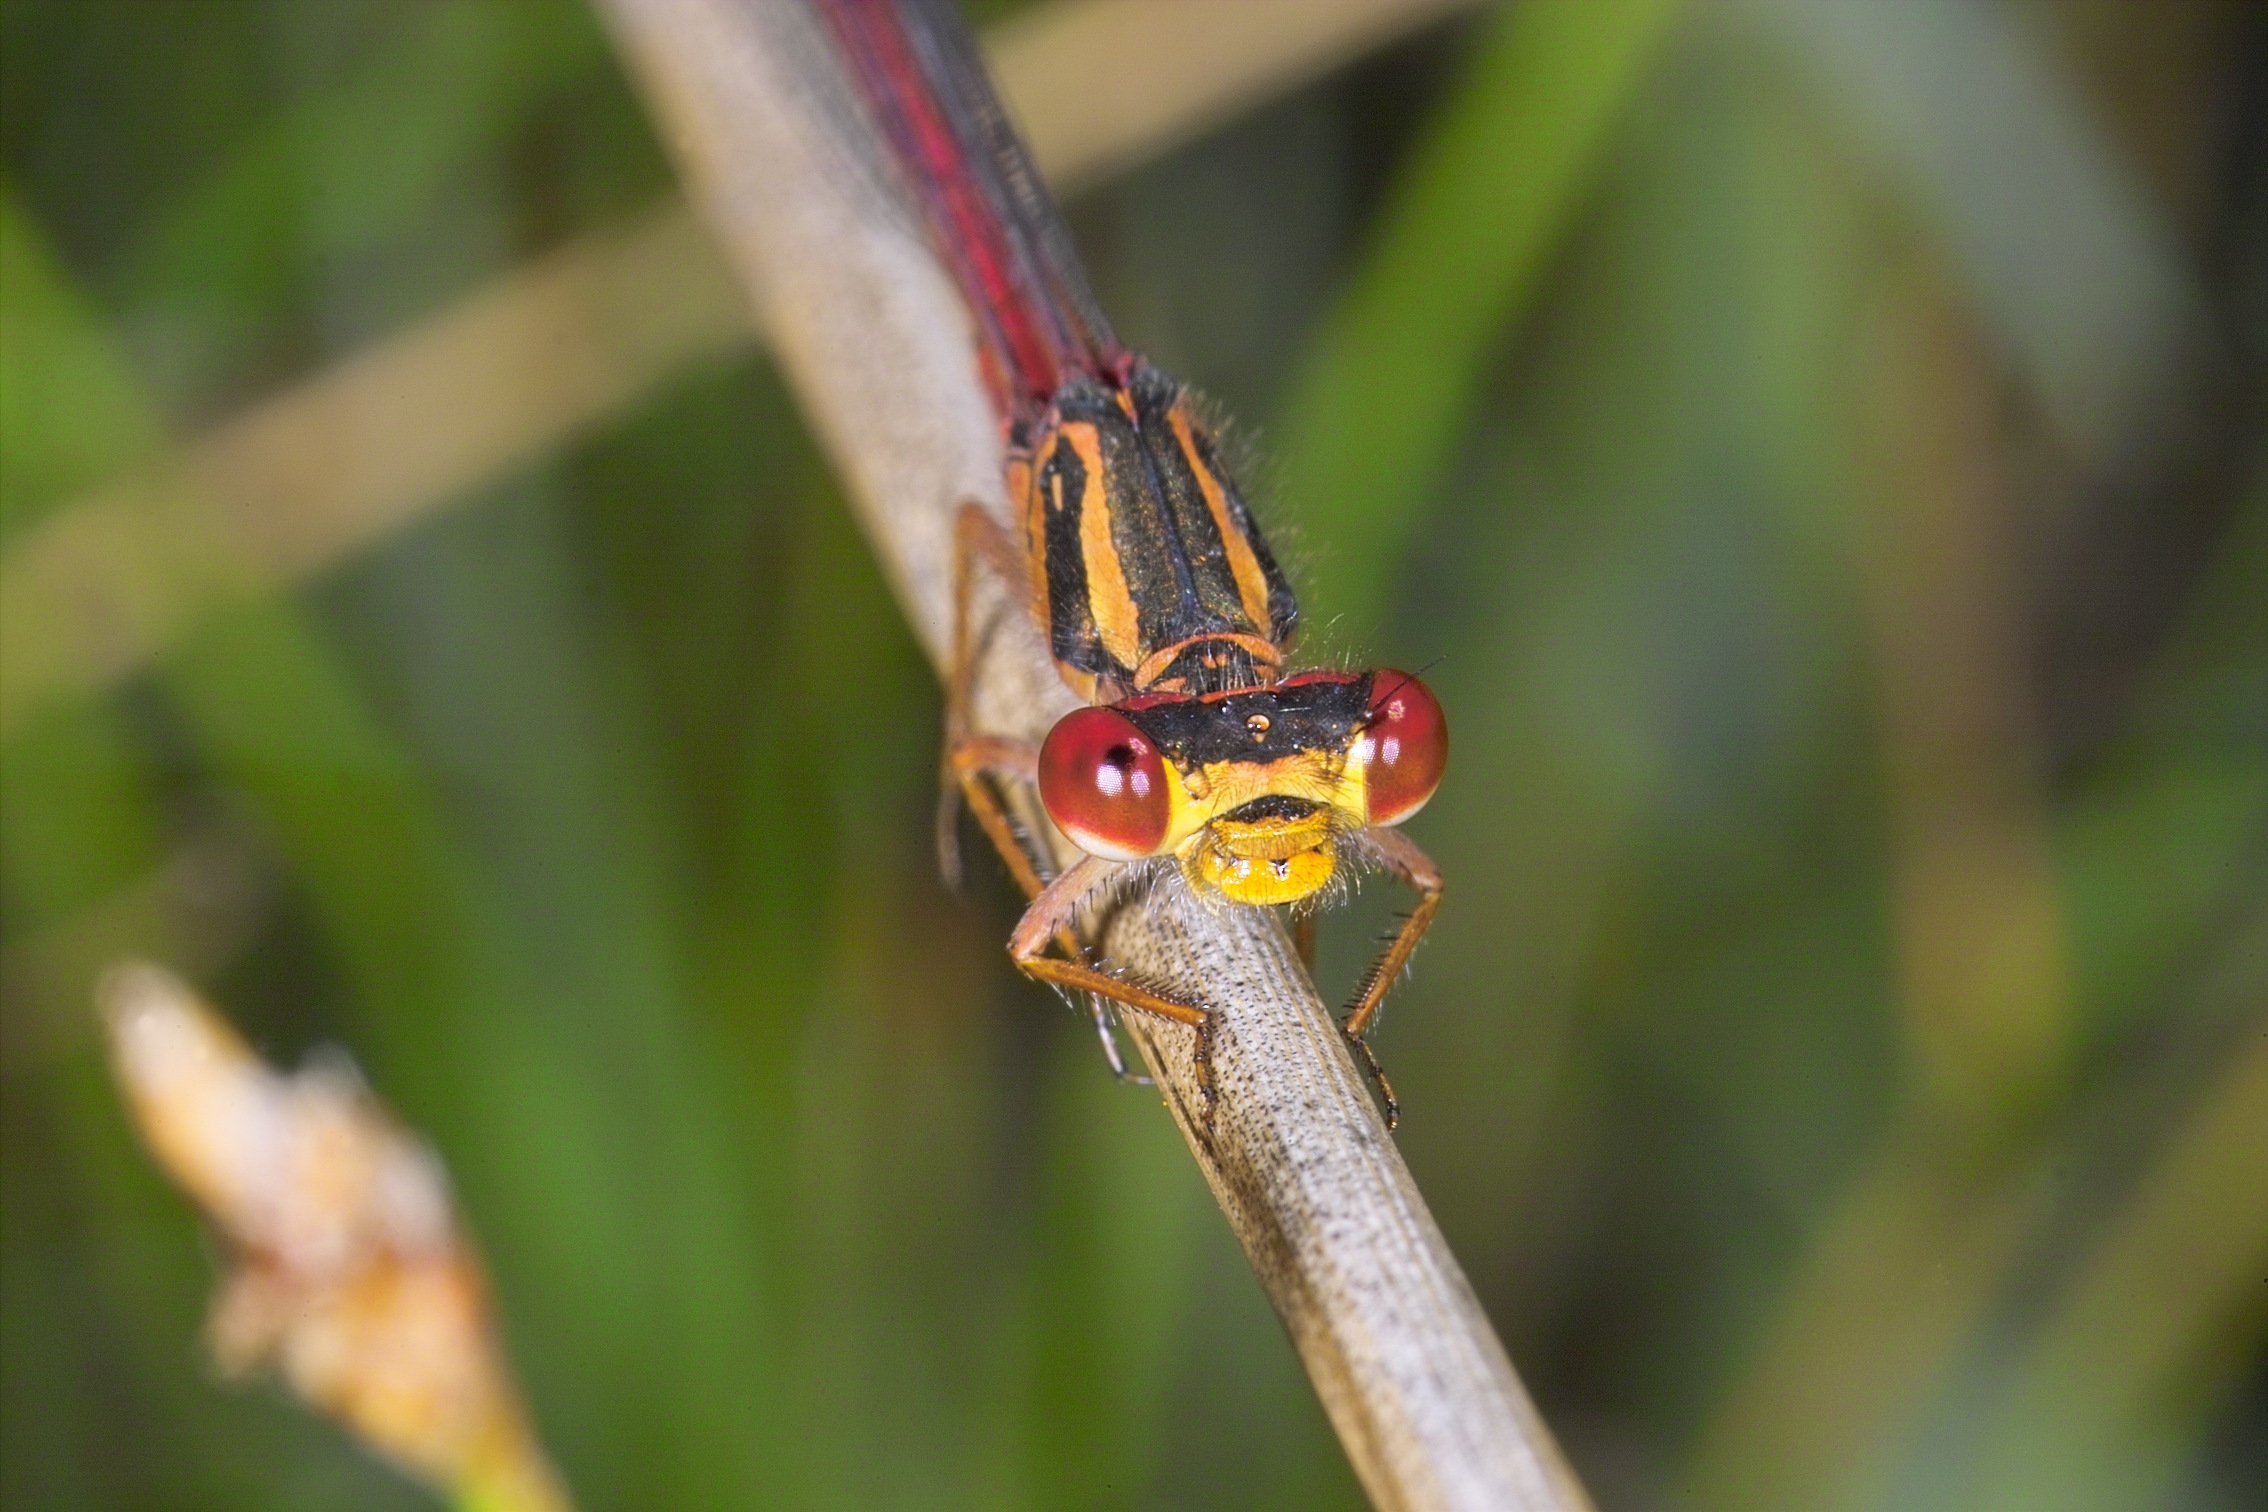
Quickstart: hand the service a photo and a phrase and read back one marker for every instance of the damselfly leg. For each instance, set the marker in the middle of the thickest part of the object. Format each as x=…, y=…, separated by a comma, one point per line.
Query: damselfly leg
x=1400, y=856
x=1053, y=914
x=970, y=758
x=973, y=763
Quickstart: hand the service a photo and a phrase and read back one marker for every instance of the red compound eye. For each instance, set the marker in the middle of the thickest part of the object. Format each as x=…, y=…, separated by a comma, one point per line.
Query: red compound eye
x=1409, y=745
x=1104, y=785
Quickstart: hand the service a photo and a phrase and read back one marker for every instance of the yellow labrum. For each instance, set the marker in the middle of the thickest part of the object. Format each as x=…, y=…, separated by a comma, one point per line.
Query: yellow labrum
x=1264, y=861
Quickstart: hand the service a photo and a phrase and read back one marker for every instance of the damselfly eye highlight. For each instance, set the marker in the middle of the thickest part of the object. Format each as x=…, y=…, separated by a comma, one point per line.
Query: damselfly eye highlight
x=1408, y=738
x=1104, y=785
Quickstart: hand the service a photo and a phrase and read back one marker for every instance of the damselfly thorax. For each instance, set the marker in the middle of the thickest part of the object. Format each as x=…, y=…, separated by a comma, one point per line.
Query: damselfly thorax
x=1160, y=602
x=1146, y=569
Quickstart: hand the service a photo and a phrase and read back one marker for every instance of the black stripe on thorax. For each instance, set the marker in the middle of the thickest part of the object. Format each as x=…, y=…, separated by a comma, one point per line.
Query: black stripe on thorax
x=1062, y=482
x=1166, y=539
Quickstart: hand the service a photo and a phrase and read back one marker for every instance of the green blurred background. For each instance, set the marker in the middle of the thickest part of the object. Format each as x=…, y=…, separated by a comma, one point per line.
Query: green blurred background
x=1817, y=448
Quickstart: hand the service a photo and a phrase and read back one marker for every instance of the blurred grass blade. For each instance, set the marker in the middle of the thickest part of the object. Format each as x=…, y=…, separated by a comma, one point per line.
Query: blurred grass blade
x=284, y=731
x=2167, y=1314
x=1895, y=1278
x=1905, y=1274
x=1175, y=68
x=1459, y=252
x=79, y=814
x=2070, y=264
x=350, y=163
x=297, y=481
x=1984, y=993
x=71, y=412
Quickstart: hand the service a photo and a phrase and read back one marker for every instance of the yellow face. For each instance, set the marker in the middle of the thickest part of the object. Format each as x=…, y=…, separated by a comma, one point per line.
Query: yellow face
x=1277, y=855
x=1266, y=861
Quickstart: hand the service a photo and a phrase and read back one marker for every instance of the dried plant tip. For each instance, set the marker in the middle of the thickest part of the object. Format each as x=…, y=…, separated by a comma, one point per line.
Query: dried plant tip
x=349, y=1275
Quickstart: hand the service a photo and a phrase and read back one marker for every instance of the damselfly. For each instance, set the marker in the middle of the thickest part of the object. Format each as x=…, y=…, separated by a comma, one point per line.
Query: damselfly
x=1160, y=601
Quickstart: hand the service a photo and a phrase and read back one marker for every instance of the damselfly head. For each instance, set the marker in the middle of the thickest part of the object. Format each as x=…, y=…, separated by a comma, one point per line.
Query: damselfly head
x=1251, y=790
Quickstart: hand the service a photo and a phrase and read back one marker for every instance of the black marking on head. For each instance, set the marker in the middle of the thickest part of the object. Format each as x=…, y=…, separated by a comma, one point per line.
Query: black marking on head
x=1195, y=732
x=1273, y=806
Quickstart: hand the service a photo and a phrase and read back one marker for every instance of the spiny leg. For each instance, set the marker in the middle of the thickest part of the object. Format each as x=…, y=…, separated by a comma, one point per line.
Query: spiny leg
x=1400, y=855
x=1083, y=978
x=1112, y=1055
x=970, y=762
x=977, y=537
x=1051, y=916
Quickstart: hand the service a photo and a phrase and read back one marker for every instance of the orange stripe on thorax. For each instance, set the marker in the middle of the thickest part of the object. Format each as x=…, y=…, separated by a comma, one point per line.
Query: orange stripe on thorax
x=1117, y=622
x=1244, y=565
x=1023, y=487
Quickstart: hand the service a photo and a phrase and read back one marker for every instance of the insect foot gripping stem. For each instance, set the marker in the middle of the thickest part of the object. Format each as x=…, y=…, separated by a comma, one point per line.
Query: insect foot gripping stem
x=1051, y=916
x=1399, y=855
